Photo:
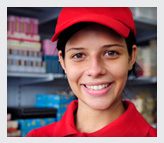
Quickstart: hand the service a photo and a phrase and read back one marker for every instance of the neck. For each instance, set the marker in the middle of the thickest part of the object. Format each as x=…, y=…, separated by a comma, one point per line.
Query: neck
x=89, y=120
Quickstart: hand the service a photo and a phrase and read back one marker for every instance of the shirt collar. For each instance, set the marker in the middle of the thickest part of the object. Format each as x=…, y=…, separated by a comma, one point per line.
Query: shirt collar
x=125, y=125
x=66, y=126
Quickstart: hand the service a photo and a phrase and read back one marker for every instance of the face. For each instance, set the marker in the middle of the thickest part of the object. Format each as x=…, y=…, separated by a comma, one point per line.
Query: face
x=97, y=63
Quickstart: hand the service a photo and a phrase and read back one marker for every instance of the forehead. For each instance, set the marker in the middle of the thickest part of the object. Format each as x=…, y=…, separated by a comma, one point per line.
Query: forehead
x=93, y=33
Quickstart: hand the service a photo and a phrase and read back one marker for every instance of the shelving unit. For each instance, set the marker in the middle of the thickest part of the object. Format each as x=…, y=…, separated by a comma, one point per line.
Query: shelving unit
x=31, y=78
x=146, y=29
x=36, y=75
x=142, y=80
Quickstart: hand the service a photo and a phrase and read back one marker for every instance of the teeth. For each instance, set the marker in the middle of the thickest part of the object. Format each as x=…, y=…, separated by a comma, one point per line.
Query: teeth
x=97, y=87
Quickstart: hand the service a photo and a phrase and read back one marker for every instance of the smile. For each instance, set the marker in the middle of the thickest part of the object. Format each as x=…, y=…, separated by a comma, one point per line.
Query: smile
x=97, y=87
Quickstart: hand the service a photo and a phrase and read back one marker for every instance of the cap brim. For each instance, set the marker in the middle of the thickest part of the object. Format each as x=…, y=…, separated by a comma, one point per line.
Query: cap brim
x=114, y=24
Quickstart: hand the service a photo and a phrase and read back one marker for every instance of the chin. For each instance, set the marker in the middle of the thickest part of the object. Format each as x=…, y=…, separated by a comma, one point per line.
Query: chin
x=99, y=105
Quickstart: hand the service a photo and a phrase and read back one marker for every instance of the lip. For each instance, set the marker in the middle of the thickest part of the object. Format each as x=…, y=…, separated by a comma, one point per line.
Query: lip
x=97, y=92
x=97, y=83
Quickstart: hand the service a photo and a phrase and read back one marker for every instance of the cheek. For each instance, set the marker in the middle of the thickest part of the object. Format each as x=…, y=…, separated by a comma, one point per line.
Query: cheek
x=119, y=69
x=73, y=76
x=119, y=72
x=73, y=73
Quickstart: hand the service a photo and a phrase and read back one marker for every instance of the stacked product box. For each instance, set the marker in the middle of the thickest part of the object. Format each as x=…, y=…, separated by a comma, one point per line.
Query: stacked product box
x=26, y=125
x=52, y=64
x=23, y=28
x=25, y=61
x=50, y=57
x=145, y=104
x=24, y=46
x=12, y=127
x=59, y=101
x=49, y=47
x=147, y=59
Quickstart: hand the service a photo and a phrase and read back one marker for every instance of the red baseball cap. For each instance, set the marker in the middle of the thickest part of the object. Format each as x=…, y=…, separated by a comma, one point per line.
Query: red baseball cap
x=120, y=19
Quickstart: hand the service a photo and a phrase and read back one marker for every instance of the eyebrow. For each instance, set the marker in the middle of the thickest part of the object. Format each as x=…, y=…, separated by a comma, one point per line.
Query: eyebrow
x=105, y=46
x=74, y=48
x=112, y=45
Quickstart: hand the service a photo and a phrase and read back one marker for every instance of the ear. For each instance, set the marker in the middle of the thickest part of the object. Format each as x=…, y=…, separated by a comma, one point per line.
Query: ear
x=133, y=57
x=61, y=60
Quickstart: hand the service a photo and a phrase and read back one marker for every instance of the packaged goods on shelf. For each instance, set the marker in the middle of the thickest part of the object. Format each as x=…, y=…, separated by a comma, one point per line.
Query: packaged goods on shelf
x=12, y=125
x=36, y=122
x=23, y=28
x=22, y=25
x=23, y=36
x=145, y=104
x=24, y=55
x=24, y=48
x=52, y=64
x=12, y=129
x=23, y=45
x=25, y=61
x=26, y=66
x=147, y=59
x=14, y=134
x=49, y=48
x=50, y=101
x=26, y=125
x=58, y=101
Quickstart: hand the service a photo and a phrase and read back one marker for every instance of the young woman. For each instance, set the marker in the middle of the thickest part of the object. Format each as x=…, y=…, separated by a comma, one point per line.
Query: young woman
x=97, y=52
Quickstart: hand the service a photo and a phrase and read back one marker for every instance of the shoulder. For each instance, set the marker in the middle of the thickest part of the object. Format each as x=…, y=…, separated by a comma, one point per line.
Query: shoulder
x=46, y=131
x=152, y=132
x=137, y=123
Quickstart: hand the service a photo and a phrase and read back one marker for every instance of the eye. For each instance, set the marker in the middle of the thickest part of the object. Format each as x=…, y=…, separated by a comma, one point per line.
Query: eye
x=111, y=53
x=78, y=55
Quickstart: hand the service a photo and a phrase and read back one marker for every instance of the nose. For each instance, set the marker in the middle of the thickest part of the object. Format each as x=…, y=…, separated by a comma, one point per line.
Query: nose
x=95, y=68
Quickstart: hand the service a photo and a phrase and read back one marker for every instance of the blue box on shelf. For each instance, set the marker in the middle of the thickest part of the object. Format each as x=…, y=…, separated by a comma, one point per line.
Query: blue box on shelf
x=52, y=64
x=26, y=125
x=50, y=98
x=60, y=102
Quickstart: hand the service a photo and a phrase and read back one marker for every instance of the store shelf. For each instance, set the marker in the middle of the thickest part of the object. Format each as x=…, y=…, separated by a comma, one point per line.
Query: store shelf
x=31, y=78
x=142, y=80
x=145, y=21
x=146, y=29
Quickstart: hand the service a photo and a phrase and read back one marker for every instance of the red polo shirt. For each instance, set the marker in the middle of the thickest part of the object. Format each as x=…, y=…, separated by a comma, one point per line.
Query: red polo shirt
x=129, y=124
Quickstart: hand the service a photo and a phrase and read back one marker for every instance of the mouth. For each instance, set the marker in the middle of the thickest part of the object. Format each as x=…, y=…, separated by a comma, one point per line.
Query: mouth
x=98, y=87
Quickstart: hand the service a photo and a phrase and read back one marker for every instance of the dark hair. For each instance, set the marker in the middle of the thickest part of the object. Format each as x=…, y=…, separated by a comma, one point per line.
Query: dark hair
x=136, y=70
x=69, y=32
